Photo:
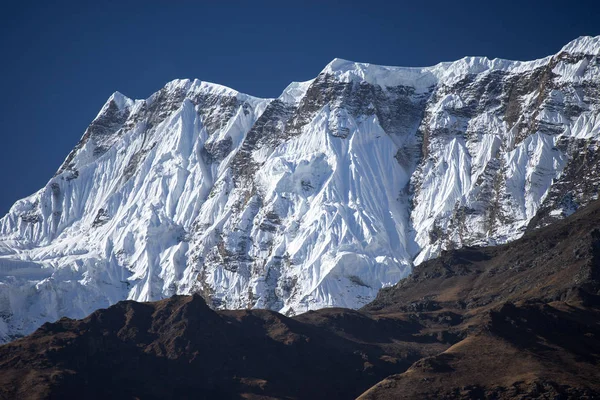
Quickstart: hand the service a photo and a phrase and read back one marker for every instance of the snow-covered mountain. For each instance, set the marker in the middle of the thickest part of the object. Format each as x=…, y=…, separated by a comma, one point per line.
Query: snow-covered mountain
x=317, y=198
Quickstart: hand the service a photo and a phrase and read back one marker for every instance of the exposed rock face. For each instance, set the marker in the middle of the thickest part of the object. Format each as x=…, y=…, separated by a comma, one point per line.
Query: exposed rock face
x=317, y=198
x=520, y=320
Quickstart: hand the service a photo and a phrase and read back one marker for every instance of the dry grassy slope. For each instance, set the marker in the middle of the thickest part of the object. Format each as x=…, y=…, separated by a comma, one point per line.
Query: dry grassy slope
x=515, y=321
x=528, y=313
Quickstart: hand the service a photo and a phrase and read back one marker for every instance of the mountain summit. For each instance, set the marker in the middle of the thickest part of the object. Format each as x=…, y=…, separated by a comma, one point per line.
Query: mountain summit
x=318, y=198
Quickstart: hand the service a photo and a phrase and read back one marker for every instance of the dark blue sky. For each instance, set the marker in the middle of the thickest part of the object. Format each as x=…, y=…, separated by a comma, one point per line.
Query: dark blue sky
x=61, y=60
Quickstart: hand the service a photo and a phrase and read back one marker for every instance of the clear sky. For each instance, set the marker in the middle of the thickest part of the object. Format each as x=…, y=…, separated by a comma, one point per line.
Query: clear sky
x=61, y=60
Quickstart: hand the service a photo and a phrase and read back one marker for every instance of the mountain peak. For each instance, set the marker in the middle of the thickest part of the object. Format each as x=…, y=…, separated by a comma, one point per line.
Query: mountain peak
x=198, y=86
x=382, y=75
x=117, y=99
x=120, y=100
x=583, y=44
x=318, y=199
x=338, y=64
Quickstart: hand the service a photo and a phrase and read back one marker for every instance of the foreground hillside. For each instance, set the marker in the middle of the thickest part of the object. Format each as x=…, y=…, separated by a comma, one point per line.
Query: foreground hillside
x=520, y=320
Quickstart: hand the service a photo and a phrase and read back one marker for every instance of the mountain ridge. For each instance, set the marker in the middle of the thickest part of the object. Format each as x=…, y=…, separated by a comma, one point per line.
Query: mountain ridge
x=582, y=44
x=315, y=199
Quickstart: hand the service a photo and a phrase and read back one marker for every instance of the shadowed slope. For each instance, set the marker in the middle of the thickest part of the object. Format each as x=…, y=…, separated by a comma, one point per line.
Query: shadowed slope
x=529, y=314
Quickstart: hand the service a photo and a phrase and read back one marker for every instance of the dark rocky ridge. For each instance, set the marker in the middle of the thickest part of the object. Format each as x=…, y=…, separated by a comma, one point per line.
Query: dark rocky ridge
x=513, y=321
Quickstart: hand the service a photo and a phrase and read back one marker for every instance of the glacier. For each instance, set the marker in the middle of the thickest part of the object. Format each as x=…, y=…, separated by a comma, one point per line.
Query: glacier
x=317, y=198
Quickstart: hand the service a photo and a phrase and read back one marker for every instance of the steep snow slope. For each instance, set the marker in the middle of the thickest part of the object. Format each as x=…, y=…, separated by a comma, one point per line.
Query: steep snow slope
x=112, y=223
x=317, y=198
